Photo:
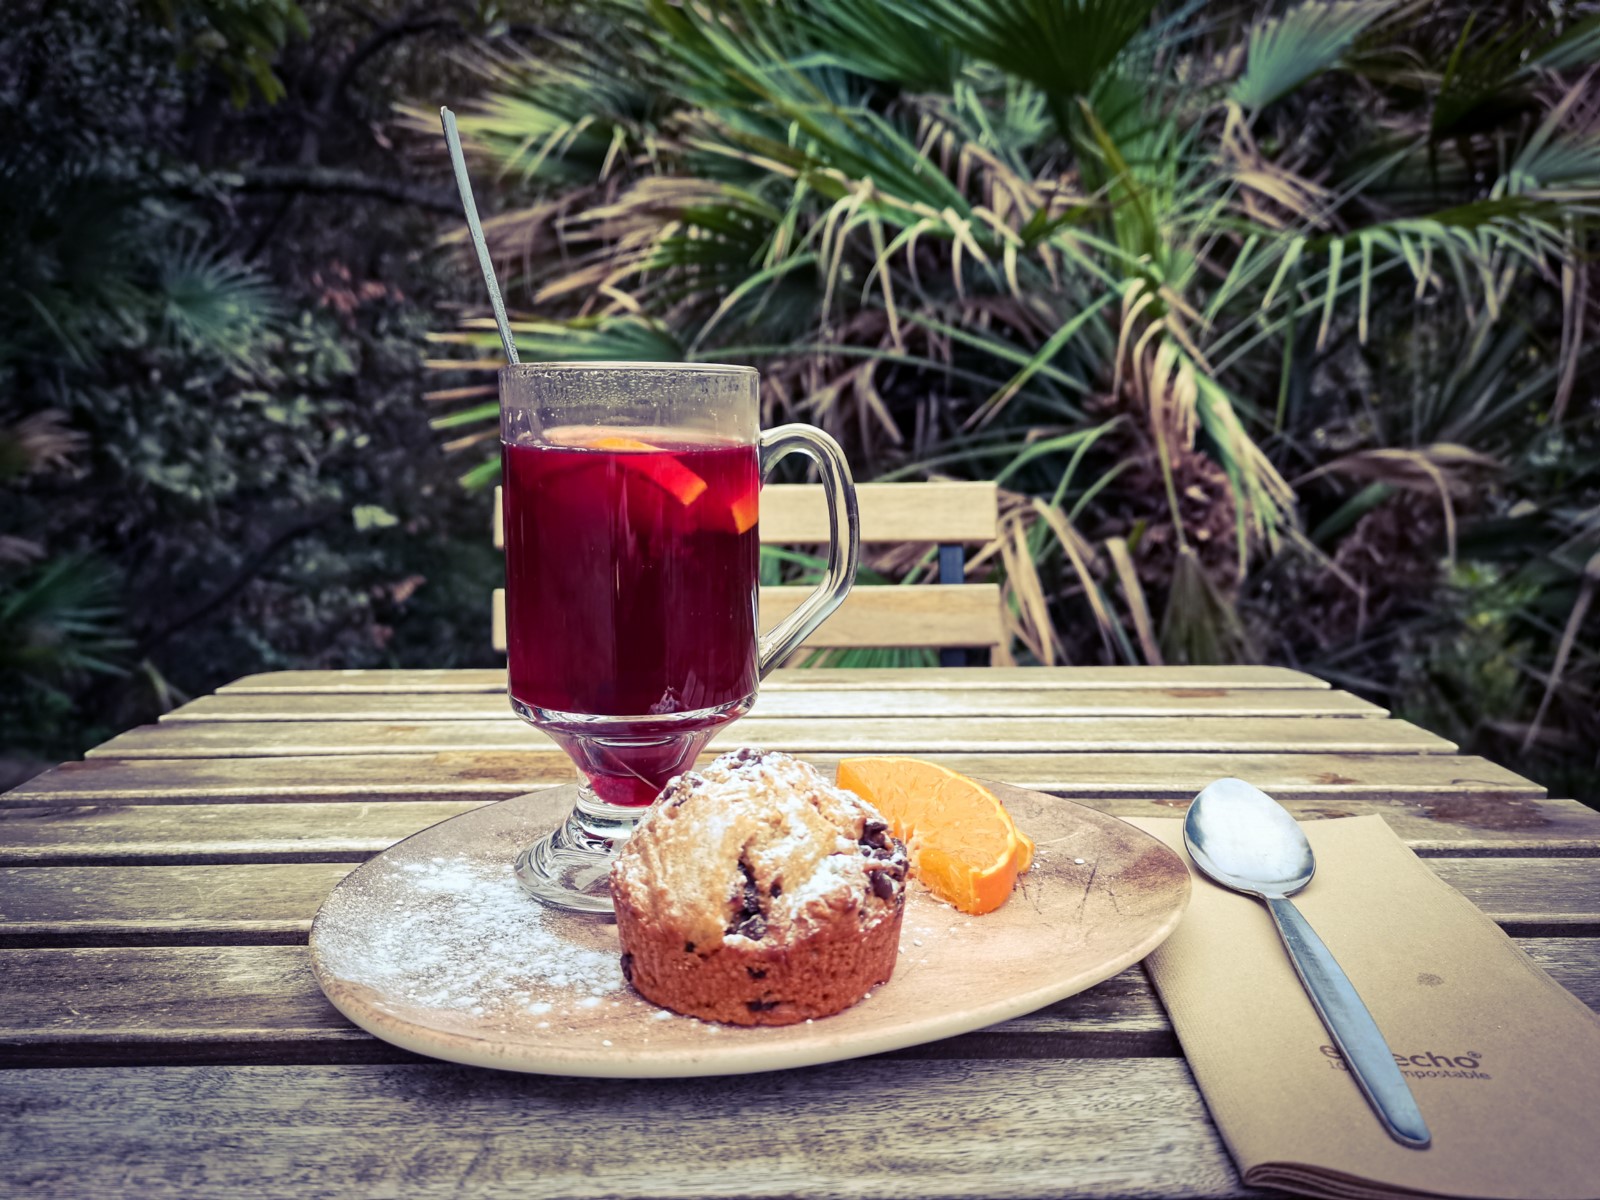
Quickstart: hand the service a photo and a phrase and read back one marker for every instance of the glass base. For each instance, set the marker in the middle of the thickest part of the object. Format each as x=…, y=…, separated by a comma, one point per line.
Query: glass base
x=616, y=757
x=570, y=867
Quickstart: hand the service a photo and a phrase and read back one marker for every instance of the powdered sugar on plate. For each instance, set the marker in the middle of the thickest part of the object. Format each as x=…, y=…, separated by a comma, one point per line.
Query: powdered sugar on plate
x=459, y=934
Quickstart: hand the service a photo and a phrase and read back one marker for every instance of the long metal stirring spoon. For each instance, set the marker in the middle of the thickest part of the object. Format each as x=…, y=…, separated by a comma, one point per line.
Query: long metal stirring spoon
x=452, y=137
x=1245, y=840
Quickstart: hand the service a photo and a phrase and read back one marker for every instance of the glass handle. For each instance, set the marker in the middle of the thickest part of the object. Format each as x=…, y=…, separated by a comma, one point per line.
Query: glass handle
x=844, y=536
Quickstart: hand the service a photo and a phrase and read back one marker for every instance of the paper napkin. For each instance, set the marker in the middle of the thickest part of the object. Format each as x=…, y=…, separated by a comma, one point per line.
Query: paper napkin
x=1503, y=1061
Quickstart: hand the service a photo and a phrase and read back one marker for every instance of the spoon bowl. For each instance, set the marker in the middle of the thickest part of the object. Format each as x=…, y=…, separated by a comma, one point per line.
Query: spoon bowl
x=1245, y=840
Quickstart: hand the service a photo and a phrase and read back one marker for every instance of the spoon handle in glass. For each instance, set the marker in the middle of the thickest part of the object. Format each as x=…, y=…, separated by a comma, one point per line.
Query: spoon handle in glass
x=1351, y=1026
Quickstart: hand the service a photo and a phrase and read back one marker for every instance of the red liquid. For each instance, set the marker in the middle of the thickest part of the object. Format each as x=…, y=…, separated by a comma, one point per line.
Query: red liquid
x=631, y=592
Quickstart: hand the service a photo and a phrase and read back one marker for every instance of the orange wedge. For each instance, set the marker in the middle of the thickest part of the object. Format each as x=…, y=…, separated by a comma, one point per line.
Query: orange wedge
x=962, y=842
x=744, y=511
x=661, y=467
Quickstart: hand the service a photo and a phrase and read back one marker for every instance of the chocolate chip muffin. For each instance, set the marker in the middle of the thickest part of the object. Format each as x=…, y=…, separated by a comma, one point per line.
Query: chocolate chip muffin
x=756, y=892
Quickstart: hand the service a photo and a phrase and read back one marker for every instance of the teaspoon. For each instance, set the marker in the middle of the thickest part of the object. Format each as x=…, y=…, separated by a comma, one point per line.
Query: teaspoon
x=1245, y=840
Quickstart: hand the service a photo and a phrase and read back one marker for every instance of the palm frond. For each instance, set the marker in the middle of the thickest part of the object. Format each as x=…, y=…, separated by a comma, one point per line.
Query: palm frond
x=870, y=39
x=569, y=120
x=214, y=304
x=581, y=339
x=62, y=622
x=1561, y=157
x=39, y=442
x=1200, y=624
x=1578, y=46
x=1486, y=76
x=1287, y=50
x=1061, y=47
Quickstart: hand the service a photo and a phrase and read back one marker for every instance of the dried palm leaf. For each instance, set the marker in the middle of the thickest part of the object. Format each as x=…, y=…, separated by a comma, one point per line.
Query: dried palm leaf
x=1569, y=638
x=1133, y=595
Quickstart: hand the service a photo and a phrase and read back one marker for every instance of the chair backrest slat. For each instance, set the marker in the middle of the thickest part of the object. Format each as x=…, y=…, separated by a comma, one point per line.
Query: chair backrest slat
x=935, y=616
x=797, y=513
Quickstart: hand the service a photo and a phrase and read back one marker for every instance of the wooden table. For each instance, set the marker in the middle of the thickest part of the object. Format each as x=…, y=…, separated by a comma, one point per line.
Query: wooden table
x=165, y=1036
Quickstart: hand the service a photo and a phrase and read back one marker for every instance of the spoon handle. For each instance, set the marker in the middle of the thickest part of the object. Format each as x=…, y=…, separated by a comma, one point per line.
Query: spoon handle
x=1354, y=1031
x=458, y=161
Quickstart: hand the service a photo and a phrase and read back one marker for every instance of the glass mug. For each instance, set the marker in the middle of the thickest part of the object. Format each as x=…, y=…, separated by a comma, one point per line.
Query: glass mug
x=630, y=498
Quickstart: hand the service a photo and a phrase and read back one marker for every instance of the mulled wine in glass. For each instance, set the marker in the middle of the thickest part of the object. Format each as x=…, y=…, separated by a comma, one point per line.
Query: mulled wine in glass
x=631, y=500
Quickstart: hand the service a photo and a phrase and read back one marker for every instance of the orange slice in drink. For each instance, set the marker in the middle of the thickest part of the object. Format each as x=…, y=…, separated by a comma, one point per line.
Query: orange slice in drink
x=659, y=465
x=963, y=844
x=744, y=511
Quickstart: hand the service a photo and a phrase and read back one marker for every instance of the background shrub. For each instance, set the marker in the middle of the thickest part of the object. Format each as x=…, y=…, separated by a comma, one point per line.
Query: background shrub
x=1275, y=323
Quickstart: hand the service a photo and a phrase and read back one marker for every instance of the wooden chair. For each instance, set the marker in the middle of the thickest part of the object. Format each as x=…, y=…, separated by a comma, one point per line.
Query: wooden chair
x=950, y=616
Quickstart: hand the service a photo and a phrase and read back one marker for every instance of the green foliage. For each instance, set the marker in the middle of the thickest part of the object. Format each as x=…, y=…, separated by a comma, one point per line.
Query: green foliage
x=1275, y=324
x=1266, y=319
x=239, y=38
x=214, y=456
x=60, y=623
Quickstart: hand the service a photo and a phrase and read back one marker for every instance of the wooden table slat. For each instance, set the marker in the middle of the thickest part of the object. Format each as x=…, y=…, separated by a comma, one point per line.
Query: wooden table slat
x=800, y=679
x=957, y=1127
x=1457, y=782
x=334, y=831
x=248, y=902
x=837, y=704
x=111, y=1004
x=179, y=904
x=800, y=735
x=150, y=834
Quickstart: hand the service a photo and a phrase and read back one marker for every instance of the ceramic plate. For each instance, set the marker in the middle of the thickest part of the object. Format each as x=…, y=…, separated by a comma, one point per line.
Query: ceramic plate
x=432, y=946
